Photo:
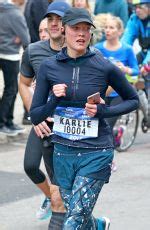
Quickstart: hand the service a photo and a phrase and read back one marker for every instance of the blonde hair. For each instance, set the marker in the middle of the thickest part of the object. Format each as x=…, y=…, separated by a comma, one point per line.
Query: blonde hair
x=118, y=21
x=99, y=22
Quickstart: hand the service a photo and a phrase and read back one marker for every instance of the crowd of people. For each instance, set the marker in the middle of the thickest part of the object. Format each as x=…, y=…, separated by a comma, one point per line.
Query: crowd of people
x=70, y=52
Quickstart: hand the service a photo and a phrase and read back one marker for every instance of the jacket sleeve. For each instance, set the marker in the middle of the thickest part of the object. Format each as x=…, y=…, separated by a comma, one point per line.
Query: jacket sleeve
x=132, y=62
x=20, y=28
x=120, y=84
x=26, y=68
x=131, y=31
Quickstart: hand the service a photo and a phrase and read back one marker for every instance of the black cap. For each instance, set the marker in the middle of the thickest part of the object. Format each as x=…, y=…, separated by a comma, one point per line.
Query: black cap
x=75, y=15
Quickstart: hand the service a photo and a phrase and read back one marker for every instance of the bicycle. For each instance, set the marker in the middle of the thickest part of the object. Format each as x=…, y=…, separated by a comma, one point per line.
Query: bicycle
x=128, y=124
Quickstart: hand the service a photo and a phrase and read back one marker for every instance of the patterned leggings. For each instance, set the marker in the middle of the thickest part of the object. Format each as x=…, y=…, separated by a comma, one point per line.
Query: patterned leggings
x=80, y=203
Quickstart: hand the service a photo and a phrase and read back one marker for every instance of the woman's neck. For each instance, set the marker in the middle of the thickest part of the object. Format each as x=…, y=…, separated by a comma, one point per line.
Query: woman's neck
x=75, y=54
x=112, y=44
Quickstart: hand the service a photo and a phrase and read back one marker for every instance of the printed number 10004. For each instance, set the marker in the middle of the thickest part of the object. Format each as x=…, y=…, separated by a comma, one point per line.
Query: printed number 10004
x=74, y=130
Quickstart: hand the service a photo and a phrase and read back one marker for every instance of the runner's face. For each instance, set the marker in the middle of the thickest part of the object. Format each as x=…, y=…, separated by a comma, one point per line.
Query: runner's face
x=142, y=11
x=111, y=30
x=43, y=31
x=54, y=26
x=77, y=38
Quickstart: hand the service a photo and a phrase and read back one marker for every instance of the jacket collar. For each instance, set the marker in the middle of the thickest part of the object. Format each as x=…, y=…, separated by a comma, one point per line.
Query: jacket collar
x=63, y=56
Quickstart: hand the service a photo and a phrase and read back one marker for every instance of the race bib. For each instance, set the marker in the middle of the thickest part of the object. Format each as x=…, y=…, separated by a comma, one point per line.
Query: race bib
x=74, y=124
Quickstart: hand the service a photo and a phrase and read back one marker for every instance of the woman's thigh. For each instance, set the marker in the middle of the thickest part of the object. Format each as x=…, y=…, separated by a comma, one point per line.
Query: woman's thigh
x=68, y=165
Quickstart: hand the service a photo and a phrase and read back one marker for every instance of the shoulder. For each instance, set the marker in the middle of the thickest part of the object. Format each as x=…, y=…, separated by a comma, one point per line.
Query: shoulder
x=100, y=61
x=39, y=48
x=49, y=62
x=133, y=18
x=34, y=49
x=126, y=46
x=15, y=13
x=38, y=44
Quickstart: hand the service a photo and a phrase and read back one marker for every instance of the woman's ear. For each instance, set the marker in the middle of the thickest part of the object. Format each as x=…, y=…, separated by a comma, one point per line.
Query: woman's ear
x=63, y=30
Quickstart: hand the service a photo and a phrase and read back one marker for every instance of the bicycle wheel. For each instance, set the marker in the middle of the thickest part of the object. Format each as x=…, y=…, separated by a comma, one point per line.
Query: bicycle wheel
x=129, y=123
x=148, y=96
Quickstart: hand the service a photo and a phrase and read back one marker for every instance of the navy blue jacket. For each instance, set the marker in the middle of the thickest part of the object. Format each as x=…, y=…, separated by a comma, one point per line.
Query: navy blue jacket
x=84, y=76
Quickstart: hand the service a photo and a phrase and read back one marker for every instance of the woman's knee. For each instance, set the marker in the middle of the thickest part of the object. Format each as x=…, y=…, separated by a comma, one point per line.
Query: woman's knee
x=33, y=172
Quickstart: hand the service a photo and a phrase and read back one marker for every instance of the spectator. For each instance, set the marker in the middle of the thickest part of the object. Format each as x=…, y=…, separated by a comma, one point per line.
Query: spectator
x=138, y=27
x=13, y=35
x=26, y=117
x=34, y=12
x=118, y=8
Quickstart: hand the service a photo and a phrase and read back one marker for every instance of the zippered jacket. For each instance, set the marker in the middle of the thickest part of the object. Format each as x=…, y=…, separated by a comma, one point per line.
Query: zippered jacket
x=83, y=76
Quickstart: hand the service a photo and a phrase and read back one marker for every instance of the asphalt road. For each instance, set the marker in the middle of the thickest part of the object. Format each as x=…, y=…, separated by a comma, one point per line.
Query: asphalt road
x=125, y=200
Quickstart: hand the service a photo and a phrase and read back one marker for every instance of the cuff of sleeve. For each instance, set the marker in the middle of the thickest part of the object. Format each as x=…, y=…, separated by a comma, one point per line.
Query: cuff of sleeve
x=100, y=110
x=54, y=99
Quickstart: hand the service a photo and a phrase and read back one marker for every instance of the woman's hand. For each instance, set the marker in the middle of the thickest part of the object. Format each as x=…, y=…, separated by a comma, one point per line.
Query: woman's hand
x=17, y=40
x=91, y=109
x=124, y=68
x=60, y=90
x=33, y=85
